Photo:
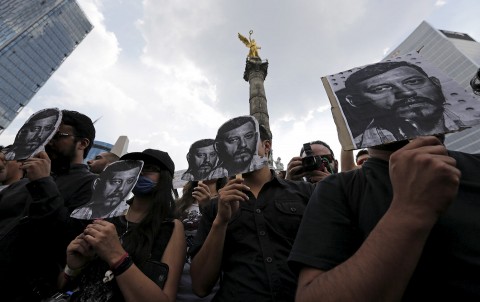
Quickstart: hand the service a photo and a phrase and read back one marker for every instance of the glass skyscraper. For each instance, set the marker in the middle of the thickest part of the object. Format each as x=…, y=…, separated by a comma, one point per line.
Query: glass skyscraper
x=456, y=54
x=36, y=36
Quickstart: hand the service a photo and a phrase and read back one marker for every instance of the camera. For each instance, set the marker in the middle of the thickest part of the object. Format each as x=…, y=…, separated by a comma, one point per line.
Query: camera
x=313, y=162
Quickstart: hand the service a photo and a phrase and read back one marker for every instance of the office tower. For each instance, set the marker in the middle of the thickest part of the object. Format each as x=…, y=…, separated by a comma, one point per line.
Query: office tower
x=35, y=38
x=456, y=54
x=120, y=148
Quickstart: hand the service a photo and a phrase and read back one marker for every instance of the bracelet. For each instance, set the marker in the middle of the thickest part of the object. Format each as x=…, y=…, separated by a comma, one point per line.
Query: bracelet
x=122, y=266
x=72, y=272
x=119, y=261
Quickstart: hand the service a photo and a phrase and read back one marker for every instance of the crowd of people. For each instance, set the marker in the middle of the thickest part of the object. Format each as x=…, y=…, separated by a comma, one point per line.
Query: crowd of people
x=397, y=223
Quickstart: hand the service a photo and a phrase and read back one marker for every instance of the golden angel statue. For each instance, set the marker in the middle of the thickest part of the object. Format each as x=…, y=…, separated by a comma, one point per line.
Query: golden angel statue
x=250, y=43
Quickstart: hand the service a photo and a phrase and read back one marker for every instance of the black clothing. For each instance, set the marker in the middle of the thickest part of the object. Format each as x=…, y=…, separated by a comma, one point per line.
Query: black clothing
x=346, y=207
x=258, y=241
x=90, y=281
x=37, y=227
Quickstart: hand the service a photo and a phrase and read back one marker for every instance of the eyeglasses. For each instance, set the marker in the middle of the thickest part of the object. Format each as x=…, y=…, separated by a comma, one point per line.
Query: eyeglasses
x=60, y=135
x=329, y=157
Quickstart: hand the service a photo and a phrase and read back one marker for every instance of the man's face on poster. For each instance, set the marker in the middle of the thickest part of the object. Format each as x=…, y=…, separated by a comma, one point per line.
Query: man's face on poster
x=117, y=185
x=205, y=159
x=34, y=133
x=404, y=91
x=240, y=144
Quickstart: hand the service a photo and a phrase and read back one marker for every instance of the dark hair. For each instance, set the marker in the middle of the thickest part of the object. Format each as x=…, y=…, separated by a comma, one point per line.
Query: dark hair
x=82, y=125
x=319, y=143
x=187, y=200
x=117, y=166
x=233, y=124
x=265, y=134
x=360, y=153
x=49, y=112
x=376, y=69
x=140, y=241
x=201, y=143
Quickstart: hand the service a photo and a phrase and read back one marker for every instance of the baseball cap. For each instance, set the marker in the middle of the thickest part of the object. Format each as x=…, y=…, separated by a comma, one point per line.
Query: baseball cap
x=153, y=156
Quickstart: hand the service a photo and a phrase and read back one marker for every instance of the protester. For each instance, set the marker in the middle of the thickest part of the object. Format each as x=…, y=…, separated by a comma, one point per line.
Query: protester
x=196, y=195
x=34, y=211
x=139, y=256
x=325, y=161
x=347, y=162
x=403, y=227
x=100, y=161
x=245, y=236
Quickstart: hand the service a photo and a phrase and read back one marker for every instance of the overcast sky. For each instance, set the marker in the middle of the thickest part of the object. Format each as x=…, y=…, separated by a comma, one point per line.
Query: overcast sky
x=167, y=73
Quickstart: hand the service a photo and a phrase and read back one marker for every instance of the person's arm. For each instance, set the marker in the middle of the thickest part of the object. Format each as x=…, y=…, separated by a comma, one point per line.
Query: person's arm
x=347, y=161
x=136, y=286
x=133, y=283
x=206, y=264
x=382, y=267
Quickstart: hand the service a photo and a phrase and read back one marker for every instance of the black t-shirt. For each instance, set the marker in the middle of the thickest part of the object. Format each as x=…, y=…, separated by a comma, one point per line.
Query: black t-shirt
x=345, y=208
x=258, y=241
x=90, y=281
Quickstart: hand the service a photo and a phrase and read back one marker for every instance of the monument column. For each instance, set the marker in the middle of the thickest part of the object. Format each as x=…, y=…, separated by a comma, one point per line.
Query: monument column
x=255, y=74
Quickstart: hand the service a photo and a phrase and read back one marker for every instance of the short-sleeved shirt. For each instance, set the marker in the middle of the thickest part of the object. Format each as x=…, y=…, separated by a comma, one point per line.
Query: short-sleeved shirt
x=258, y=241
x=344, y=210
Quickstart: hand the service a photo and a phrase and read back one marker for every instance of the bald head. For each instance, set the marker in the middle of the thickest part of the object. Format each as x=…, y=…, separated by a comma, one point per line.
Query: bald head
x=98, y=164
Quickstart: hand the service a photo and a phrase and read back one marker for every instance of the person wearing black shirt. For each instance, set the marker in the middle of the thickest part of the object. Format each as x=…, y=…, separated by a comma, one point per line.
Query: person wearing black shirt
x=245, y=236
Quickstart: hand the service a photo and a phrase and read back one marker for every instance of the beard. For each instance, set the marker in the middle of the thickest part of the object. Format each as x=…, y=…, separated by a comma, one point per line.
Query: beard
x=60, y=161
x=419, y=110
x=242, y=156
x=204, y=170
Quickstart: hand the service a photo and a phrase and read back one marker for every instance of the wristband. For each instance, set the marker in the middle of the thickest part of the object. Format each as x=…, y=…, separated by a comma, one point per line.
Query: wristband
x=122, y=266
x=72, y=272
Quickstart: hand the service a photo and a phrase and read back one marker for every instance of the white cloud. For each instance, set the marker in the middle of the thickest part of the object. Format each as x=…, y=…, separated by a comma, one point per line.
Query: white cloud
x=167, y=73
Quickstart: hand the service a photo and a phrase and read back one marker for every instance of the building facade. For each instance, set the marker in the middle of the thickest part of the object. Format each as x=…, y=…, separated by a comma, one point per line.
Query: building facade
x=456, y=54
x=35, y=38
x=119, y=148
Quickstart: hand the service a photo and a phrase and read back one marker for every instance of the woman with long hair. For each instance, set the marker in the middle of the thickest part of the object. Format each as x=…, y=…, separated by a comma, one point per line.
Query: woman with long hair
x=188, y=209
x=138, y=256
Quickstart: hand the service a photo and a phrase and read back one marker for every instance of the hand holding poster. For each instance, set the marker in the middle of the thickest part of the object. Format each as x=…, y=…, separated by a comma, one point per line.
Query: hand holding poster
x=397, y=100
x=110, y=190
x=37, y=131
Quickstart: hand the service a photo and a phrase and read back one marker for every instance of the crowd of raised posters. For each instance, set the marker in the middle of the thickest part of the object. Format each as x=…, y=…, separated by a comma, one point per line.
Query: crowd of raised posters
x=399, y=108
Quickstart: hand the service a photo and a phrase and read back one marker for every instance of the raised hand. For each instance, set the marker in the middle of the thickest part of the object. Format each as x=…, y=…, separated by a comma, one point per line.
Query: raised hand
x=229, y=198
x=425, y=179
x=102, y=236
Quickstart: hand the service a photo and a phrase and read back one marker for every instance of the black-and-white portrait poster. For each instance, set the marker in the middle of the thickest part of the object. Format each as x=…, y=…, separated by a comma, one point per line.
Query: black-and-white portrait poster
x=110, y=190
x=397, y=99
x=236, y=144
x=202, y=160
x=37, y=131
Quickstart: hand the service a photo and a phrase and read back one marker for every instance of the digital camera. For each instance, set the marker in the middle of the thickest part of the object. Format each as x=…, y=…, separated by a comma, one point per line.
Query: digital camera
x=312, y=162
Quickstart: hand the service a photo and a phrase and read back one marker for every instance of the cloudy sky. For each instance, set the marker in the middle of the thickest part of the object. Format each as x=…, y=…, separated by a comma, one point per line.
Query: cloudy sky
x=167, y=73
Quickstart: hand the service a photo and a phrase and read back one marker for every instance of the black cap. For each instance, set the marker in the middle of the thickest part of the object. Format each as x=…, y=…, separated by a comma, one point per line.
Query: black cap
x=152, y=156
